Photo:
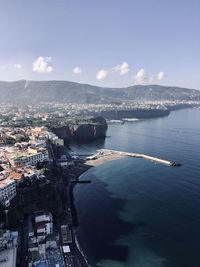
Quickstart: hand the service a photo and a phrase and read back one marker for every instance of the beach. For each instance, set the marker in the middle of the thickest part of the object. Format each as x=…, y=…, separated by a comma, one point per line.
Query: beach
x=102, y=158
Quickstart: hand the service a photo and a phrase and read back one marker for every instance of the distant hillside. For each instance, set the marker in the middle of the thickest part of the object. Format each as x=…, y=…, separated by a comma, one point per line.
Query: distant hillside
x=64, y=91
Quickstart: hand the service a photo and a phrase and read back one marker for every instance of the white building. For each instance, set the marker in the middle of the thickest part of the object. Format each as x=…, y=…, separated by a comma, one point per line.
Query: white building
x=7, y=190
x=44, y=224
x=31, y=159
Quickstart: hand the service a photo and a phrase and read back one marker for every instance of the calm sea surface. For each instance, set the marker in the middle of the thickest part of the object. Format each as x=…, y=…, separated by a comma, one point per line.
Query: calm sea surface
x=139, y=214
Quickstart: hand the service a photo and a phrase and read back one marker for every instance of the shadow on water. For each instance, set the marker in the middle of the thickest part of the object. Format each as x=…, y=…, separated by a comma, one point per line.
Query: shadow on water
x=88, y=147
x=99, y=242
x=167, y=199
x=99, y=142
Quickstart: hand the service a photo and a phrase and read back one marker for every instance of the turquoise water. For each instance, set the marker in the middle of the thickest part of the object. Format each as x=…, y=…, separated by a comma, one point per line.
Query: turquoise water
x=140, y=214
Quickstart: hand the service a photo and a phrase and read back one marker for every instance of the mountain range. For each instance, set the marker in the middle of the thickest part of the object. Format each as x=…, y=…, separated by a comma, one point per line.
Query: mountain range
x=70, y=92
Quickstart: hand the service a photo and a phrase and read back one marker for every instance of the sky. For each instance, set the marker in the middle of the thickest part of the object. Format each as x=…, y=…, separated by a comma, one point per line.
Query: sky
x=110, y=43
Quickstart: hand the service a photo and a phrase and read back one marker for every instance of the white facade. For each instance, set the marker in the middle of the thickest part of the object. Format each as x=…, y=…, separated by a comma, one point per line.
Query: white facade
x=31, y=159
x=44, y=224
x=7, y=190
x=35, y=158
x=43, y=216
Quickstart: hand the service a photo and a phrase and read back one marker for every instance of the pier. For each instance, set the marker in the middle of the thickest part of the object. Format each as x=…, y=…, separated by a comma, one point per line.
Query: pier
x=103, y=155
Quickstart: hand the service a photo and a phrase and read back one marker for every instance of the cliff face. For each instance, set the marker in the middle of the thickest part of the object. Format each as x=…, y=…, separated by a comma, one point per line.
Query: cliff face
x=134, y=113
x=94, y=129
x=63, y=132
x=45, y=197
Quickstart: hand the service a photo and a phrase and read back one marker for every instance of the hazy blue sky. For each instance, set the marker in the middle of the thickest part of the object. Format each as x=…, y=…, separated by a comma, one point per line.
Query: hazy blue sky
x=103, y=42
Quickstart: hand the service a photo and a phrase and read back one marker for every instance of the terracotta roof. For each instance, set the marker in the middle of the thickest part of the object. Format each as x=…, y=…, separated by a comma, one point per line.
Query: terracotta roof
x=15, y=175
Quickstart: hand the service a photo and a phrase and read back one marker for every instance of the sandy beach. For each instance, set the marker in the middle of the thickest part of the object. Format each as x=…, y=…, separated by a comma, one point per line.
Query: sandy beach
x=104, y=158
x=105, y=155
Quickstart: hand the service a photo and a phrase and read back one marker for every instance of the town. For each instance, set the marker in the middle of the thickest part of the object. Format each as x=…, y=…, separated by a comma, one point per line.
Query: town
x=37, y=174
x=58, y=114
x=30, y=236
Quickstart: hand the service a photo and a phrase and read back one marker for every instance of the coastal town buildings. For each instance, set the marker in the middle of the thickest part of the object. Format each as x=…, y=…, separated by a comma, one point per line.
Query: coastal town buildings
x=7, y=190
x=30, y=159
x=25, y=156
x=66, y=237
x=44, y=245
x=18, y=161
x=43, y=224
x=8, y=248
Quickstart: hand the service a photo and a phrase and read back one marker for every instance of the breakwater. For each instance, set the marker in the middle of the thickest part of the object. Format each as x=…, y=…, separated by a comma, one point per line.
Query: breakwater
x=102, y=153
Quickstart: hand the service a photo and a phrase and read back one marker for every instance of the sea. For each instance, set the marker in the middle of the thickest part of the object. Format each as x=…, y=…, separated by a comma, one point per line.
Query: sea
x=136, y=213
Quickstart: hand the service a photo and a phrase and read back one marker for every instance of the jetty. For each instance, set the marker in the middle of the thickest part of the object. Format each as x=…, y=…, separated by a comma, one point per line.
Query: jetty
x=104, y=155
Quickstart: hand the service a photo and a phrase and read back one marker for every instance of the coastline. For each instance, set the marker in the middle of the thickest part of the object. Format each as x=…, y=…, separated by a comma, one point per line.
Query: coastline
x=103, y=159
x=104, y=155
x=92, y=163
x=77, y=241
x=95, y=163
x=75, y=223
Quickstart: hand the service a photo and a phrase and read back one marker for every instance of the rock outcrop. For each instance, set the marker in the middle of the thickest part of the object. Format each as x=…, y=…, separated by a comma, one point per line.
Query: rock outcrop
x=134, y=113
x=63, y=132
x=86, y=131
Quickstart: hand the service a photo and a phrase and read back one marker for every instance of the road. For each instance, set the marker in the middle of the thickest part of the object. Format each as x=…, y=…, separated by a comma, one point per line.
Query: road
x=24, y=243
x=76, y=252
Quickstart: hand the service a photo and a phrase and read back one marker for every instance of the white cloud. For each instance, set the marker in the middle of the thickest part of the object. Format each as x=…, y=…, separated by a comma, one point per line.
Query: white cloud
x=102, y=74
x=121, y=69
x=41, y=65
x=141, y=77
x=17, y=66
x=160, y=76
x=77, y=70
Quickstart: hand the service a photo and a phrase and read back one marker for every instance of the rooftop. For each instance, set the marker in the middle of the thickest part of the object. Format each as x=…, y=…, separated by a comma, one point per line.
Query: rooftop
x=5, y=182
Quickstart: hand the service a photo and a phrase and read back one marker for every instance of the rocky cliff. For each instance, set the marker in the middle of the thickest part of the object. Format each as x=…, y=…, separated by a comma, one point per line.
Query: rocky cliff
x=133, y=113
x=86, y=131
x=64, y=132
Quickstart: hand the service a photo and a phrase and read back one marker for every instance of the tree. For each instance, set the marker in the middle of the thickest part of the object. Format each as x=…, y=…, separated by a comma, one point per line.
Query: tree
x=22, y=138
